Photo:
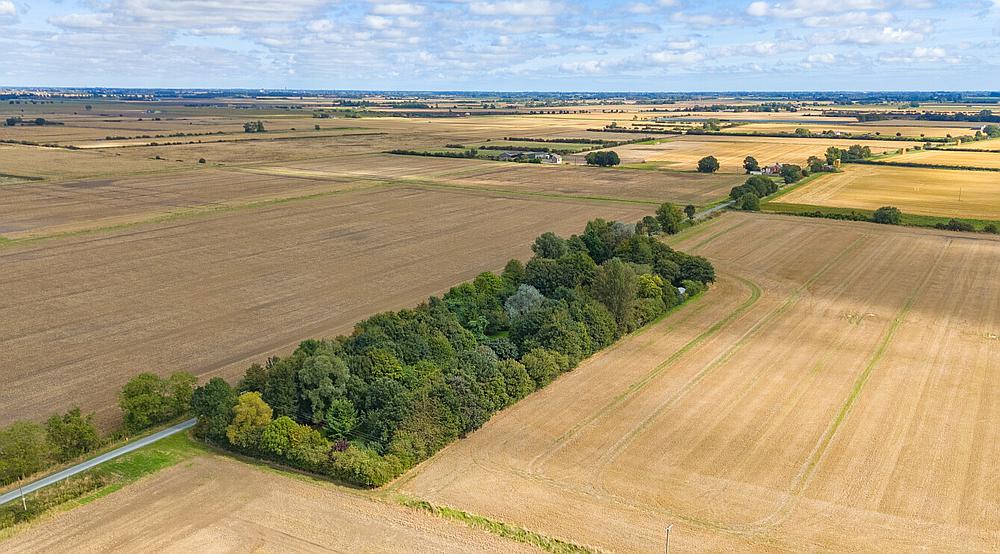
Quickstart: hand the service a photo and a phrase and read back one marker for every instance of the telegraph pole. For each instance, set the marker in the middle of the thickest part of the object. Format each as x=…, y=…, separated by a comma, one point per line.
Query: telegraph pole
x=667, y=549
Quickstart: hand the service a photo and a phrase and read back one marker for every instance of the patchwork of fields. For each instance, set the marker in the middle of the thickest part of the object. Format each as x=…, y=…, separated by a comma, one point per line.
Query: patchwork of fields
x=940, y=192
x=837, y=375
x=834, y=391
x=684, y=153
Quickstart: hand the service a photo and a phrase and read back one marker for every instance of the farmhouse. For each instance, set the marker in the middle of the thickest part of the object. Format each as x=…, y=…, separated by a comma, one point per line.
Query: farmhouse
x=542, y=157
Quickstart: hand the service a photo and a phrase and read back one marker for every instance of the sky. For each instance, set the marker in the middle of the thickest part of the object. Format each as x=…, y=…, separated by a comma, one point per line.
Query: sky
x=550, y=45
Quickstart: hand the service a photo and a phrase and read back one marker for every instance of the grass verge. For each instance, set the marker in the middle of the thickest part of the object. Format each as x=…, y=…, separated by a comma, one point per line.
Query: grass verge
x=500, y=528
x=98, y=482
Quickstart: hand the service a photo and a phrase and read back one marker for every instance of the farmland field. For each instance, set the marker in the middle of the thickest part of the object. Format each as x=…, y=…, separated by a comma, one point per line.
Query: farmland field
x=684, y=153
x=631, y=185
x=823, y=382
x=207, y=506
x=944, y=157
x=209, y=295
x=940, y=192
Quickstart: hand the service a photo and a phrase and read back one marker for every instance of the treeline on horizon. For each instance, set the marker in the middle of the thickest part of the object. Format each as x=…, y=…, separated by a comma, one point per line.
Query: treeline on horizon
x=367, y=407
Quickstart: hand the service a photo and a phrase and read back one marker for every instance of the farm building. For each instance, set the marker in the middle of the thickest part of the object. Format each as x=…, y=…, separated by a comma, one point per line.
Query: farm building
x=542, y=157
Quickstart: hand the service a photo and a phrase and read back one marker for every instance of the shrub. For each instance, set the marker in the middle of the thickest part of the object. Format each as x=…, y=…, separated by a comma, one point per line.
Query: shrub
x=887, y=215
x=71, y=434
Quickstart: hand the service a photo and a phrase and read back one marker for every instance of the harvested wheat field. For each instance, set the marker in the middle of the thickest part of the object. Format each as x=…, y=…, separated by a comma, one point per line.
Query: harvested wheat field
x=945, y=157
x=210, y=294
x=654, y=187
x=684, y=153
x=941, y=192
x=35, y=209
x=216, y=504
x=836, y=391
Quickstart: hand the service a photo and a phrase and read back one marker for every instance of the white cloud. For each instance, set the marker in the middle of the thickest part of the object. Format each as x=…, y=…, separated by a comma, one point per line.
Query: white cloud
x=320, y=26
x=641, y=8
x=80, y=20
x=588, y=67
x=825, y=58
x=7, y=8
x=377, y=22
x=516, y=8
x=672, y=57
x=398, y=9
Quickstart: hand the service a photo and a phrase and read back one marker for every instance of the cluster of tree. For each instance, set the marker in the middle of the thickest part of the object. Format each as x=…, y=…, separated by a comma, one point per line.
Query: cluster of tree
x=805, y=133
x=366, y=407
x=603, y=158
x=148, y=399
x=792, y=173
x=851, y=154
x=27, y=448
x=470, y=153
x=708, y=164
x=747, y=196
x=253, y=127
x=40, y=121
x=982, y=115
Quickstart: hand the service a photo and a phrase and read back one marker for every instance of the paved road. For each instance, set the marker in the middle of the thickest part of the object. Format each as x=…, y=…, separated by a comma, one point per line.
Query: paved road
x=710, y=211
x=84, y=466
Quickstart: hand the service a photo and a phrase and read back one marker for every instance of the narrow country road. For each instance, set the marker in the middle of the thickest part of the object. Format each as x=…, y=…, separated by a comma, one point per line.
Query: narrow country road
x=84, y=466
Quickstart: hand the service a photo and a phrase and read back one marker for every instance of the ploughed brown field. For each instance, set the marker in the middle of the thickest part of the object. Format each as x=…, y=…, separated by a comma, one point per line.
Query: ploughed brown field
x=81, y=315
x=836, y=390
x=216, y=504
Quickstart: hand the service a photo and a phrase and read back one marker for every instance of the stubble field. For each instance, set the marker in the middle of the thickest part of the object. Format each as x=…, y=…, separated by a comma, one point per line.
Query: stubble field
x=209, y=295
x=206, y=505
x=936, y=192
x=833, y=392
x=944, y=157
x=684, y=153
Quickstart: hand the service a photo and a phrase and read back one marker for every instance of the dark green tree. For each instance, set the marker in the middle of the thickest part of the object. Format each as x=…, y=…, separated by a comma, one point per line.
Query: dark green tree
x=213, y=405
x=887, y=215
x=750, y=164
x=708, y=164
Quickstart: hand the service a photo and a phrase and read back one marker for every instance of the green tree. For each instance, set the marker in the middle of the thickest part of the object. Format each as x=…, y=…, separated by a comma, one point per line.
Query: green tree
x=213, y=405
x=749, y=202
x=145, y=401
x=341, y=419
x=254, y=380
x=515, y=376
x=71, y=434
x=604, y=158
x=670, y=217
x=690, y=211
x=181, y=387
x=278, y=436
x=250, y=416
x=615, y=286
x=544, y=365
x=24, y=450
x=887, y=215
x=648, y=226
x=708, y=164
x=750, y=164
x=322, y=380
x=791, y=173
x=549, y=245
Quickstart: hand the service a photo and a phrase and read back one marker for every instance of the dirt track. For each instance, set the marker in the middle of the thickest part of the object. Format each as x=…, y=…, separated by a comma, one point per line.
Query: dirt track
x=215, y=504
x=81, y=315
x=835, y=391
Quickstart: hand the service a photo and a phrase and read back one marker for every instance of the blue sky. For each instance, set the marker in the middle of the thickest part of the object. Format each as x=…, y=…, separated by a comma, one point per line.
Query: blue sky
x=635, y=45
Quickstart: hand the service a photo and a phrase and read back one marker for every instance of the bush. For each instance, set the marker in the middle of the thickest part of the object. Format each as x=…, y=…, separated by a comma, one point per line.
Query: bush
x=544, y=365
x=887, y=215
x=708, y=164
x=991, y=228
x=749, y=201
x=71, y=434
x=604, y=158
x=791, y=173
x=148, y=399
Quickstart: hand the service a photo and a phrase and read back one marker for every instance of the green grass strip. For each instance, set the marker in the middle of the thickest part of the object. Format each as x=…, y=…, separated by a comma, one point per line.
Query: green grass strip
x=500, y=528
